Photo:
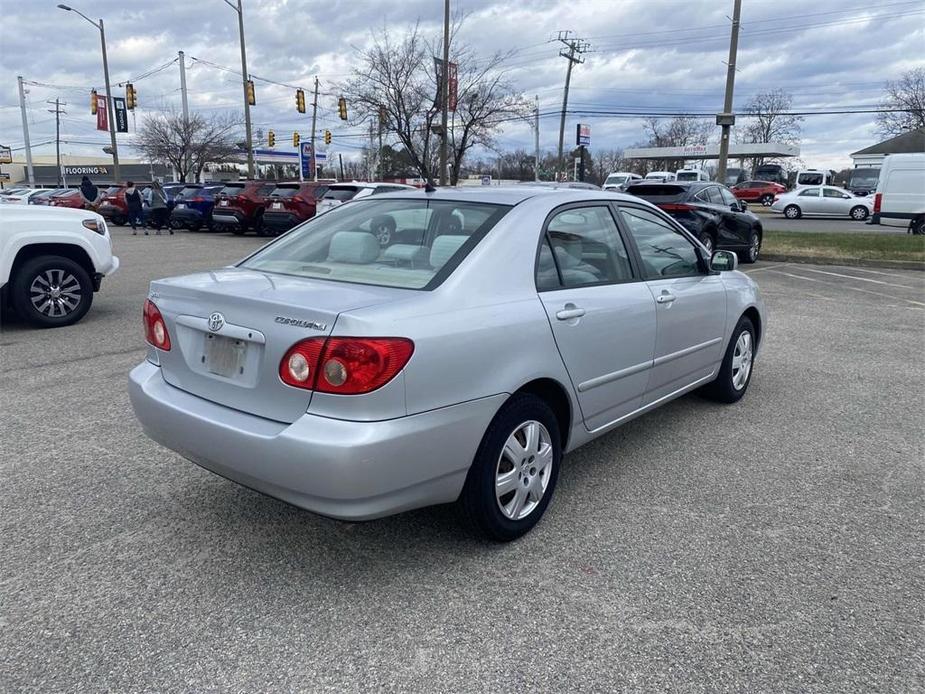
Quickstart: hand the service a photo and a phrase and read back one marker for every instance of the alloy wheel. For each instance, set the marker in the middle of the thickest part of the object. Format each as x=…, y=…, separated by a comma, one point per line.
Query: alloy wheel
x=55, y=293
x=523, y=470
x=742, y=360
x=755, y=248
x=707, y=241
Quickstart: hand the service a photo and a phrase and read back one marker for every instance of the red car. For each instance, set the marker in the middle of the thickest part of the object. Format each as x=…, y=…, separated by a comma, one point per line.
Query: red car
x=69, y=199
x=290, y=204
x=239, y=206
x=758, y=191
x=113, y=206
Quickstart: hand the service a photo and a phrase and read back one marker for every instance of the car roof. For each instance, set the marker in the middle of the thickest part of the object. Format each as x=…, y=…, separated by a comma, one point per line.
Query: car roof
x=508, y=194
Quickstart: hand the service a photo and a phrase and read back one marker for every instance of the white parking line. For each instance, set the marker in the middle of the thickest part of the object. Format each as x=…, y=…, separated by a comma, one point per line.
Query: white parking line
x=859, y=279
x=880, y=272
x=854, y=289
x=759, y=269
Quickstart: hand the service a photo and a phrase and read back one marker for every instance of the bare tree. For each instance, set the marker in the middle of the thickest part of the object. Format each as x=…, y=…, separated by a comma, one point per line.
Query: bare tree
x=396, y=85
x=188, y=145
x=769, y=120
x=908, y=94
x=677, y=132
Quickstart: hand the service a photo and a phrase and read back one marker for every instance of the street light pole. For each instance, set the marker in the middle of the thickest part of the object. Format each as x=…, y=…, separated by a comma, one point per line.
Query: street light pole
x=247, y=106
x=109, y=105
x=445, y=91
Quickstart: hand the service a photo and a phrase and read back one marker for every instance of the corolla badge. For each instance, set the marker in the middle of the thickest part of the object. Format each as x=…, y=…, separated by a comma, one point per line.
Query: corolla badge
x=216, y=321
x=299, y=323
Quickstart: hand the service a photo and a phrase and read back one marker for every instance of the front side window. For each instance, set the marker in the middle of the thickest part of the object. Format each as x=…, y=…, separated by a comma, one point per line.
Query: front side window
x=664, y=250
x=428, y=238
x=728, y=199
x=582, y=246
x=809, y=193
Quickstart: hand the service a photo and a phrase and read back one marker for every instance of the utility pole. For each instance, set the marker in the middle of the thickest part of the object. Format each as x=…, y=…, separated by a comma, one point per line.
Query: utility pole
x=30, y=173
x=314, y=120
x=536, y=139
x=574, y=48
x=726, y=119
x=445, y=91
x=248, y=137
x=372, y=143
x=57, y=111
x=181, y=57
x=340, y=158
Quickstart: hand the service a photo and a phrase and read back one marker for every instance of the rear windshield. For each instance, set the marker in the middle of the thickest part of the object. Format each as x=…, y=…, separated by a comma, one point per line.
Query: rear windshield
x=810, y=179
x=658, y=192
x=285, y=191
x=687, y=176
x=341, y=193
x=864, y=177
x=615, y=180
x=232, y=189
x=411, y=244
x=190, y=192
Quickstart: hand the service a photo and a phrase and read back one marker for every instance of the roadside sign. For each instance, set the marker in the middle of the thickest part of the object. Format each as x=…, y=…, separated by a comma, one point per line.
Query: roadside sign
x=307, y=161
x=321, y=157
x=4, y=177
x=102, y=120
x=121, y=114
x=486, y=180
x=6, y=155
x=583, y=135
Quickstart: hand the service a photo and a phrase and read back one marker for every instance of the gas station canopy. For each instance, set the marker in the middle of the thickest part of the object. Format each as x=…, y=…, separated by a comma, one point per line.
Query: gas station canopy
x=736, y=151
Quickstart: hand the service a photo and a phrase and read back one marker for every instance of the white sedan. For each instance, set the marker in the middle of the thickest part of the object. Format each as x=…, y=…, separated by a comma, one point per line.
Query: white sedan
x=823, y=201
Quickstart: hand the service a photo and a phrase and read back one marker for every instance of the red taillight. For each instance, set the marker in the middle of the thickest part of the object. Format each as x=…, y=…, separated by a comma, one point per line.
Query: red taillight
x=676, y=207
x=155, y=327
x=878, y=198
x=197, y=199
x=344, y=365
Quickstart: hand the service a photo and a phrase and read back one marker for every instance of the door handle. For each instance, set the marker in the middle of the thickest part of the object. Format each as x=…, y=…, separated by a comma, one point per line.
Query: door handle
x=570, y=311
x=665, y=297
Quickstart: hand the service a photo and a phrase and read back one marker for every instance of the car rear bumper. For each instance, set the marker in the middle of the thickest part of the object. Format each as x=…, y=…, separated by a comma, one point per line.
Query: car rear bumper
x=228, y=217
x=187, y=215
x=281, y=220
x=342, y=469
x=112, y=211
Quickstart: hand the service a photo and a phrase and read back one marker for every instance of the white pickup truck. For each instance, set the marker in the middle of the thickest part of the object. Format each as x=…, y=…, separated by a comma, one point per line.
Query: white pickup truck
x=52, y=260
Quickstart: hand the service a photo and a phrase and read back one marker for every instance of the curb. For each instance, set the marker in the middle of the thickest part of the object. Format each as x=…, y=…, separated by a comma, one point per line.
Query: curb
x=847, y=262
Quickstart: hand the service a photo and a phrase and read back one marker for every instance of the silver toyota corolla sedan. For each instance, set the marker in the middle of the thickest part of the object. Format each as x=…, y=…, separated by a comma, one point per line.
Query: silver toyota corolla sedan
x=498, y=330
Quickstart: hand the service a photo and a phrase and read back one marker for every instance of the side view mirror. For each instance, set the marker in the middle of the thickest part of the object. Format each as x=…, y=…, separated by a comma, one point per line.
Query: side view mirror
x=846, y=197
x=724, y=261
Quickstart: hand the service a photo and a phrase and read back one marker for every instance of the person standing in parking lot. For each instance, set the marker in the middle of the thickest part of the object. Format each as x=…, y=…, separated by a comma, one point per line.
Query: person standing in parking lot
x=157, y=202
x=89, y=193
x=133, y=203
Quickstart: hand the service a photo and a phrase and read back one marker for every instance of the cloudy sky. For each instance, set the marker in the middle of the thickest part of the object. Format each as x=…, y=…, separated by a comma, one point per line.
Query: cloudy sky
x=646, y=56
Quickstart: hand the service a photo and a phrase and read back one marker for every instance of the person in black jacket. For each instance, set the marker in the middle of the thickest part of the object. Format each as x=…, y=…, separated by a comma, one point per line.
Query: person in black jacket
x=133, y=202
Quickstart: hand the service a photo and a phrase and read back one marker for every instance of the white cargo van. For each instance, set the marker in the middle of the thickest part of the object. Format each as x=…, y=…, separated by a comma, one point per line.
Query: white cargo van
x=901, y=191
x=814, y=177
x=662, y=176
x=691, y=175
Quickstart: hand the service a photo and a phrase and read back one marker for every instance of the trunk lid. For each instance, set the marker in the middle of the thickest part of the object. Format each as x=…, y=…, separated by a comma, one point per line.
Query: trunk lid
x=234, y=360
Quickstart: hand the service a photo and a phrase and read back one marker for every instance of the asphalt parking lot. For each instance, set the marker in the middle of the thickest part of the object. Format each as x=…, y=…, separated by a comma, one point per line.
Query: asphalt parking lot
x=771, y=221
x=773, y=545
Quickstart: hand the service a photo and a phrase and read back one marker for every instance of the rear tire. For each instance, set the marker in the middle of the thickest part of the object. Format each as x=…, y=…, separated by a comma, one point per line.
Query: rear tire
x=736, y=371
x=859, y=213
x=792, y=212
x=238, y=230
x=51, y=291
x=514, y=474
x=917, y=226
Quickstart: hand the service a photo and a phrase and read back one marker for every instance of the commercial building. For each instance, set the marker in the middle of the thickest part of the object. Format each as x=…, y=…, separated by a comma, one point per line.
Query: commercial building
x=907, y=143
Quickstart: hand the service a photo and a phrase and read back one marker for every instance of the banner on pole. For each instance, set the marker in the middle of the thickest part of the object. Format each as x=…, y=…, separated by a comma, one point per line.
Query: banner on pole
x=102, y=119
x=307, y=160
x=121, y=114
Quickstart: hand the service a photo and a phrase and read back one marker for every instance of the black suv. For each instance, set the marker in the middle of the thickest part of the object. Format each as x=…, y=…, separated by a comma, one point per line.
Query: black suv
x=710, y=212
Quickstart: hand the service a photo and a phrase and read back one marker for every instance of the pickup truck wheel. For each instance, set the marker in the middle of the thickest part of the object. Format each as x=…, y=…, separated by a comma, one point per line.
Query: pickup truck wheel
x=515, y=470
x=917, y=226
x=51, y=291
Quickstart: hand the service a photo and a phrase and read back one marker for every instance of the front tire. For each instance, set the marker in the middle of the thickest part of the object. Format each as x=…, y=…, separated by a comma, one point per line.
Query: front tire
x=917, y=226
x=736, y=371
x=859, y=213
x=767, y=200
x=515, y=470
x=706, y=238
x=792, y=212
x=754, y=249
x=51, y=291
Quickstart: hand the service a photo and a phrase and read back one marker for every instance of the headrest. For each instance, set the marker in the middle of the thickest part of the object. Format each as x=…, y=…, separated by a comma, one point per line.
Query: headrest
x=568, y=254
x=357, y=247
x=444, y=247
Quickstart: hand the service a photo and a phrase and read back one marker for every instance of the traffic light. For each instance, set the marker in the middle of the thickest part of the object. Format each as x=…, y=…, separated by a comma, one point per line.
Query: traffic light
x=271, y=138
x=251, y=94
x=93, y=102
x=342, y=108
x=327, y=137
x=300, y=101
x=295, y=140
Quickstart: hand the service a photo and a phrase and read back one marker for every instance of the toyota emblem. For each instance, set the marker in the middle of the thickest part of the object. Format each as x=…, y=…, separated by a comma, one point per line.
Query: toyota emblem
x=216, y=321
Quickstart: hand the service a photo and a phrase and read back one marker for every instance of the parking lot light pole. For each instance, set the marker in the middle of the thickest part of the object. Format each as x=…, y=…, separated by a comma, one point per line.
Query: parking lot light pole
x=248, y=138
x=109, y=107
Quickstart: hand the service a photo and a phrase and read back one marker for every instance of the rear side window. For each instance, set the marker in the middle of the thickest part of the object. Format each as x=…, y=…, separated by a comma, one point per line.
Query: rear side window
x=582, y=246
x=832, y=193
x=665, y=251
x=809, y=193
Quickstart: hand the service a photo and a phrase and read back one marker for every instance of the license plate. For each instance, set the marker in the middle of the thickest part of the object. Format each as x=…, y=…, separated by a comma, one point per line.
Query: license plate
x=277, y=205
x=223, y=203
x=181, y=206
x=225, y=356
